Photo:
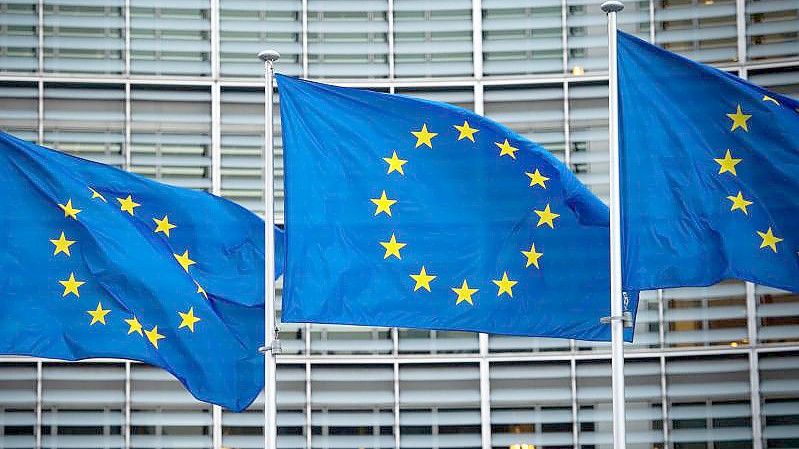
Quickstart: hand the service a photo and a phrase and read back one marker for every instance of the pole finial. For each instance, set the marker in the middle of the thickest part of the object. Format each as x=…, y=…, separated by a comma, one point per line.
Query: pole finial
x=612, y=6
x=268, y=55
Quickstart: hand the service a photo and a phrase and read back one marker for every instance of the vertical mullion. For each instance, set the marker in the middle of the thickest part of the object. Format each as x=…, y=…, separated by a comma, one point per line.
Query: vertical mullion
x=38, y=430
x=394, y=342
x=664, y=401
x=754, y=374
x=216, y=150
x=127, y=37
x=661, y=320
x=216, y=430
x=564, y=35
x=477, y=38
x=396, y=404
x=308, y=410
x=575, y=425
x=390, y=37
x=40, y=35
x=307, y=340
x=479, y=104
x=740, y=22
x=216, y=138
x=127, y=405
x=126, y=149
x=564, y=42
x=652, y=21
x=566, y=130
x=395, y=355
x=40, y=113
x=305, y=38
x=485, y=394
x=215, y=37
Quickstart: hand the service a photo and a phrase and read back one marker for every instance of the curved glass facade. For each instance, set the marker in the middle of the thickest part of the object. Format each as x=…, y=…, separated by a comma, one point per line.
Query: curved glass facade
x=172, y=90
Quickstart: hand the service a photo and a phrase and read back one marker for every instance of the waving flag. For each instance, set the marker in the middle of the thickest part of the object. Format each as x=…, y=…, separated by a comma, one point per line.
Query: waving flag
x=98, y=262
x=411, y=213
x=709, y=174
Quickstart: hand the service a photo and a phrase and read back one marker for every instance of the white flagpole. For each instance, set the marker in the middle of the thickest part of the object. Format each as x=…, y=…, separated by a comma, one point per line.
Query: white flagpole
x=272, y=345
x=611, y=7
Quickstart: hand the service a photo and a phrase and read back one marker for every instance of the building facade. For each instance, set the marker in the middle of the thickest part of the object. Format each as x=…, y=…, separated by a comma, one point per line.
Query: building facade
x=172, y=89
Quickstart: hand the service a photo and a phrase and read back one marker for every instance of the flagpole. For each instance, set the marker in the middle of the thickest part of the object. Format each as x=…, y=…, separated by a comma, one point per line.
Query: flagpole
x=271, y=343
x=611, y=7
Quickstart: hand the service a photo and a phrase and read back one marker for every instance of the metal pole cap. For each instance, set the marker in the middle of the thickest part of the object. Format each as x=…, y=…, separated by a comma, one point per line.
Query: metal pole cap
x=268, y=55
x=612, y=6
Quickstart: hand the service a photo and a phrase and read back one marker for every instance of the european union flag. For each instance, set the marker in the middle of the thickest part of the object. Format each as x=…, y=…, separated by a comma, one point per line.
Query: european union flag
x=98, y=262
x=412, y=213
x=710, y=174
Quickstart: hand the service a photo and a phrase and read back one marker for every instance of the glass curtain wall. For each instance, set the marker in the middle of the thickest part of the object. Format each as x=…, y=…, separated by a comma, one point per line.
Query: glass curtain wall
x=172, y=90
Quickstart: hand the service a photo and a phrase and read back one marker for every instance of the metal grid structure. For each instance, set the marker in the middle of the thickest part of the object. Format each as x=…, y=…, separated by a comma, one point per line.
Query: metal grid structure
x=172, y=90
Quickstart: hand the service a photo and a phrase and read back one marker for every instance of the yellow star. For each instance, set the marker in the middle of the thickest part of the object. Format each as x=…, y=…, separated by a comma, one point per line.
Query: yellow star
x=769, y=239
x=506, y=149
x=422, y=279
x=163, y=225
x=135, y=326
x=727, y=164
x=546, y=216
x=423, y=137
x=739, y=119
x=98, y=314
x=767, y=98
x=466, y=131
x=392, y=247
x=464, y=293
x=184, y=261
x=738, y=202
x=153, y=336
x=536, y=178
x=505, y=285
x=62, y=244
x=395, y=164
x=69, y=211
x=96, y=194
x=383, y=204
x=127, y=204
x=71, y=285
x=532, y=256
x=188, y=319
x=201, y=290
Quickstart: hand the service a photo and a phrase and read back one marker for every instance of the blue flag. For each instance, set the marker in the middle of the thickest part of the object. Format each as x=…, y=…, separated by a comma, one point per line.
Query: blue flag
x=412, y=213
x=710, y=174
x=98, y=262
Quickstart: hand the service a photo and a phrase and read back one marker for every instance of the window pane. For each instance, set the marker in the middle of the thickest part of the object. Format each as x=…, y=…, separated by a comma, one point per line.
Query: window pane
x=19, y=41
x=170, y=40
x=433, y=39
x=84, y=36
x=348, y=39
x=247, y=27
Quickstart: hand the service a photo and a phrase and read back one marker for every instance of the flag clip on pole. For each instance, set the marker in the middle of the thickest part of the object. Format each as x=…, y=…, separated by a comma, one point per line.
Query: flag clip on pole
x=616, y=319
x=272, y=344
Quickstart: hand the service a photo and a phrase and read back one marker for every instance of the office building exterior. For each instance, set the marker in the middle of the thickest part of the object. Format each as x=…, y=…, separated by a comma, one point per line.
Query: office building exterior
x=172, y=90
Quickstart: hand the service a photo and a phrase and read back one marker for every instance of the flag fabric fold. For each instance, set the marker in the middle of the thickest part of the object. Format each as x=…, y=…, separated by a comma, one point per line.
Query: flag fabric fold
x=709, y=174
x=101, y=263
x=412, y=213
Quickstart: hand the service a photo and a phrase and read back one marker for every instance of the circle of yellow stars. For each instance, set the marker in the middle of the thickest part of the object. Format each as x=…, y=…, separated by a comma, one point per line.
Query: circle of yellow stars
x=728, y=163
x=71, y=285
x=392, y=246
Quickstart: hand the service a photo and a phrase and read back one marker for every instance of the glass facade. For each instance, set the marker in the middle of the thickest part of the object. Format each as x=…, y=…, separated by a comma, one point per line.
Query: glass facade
x=172, y=90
